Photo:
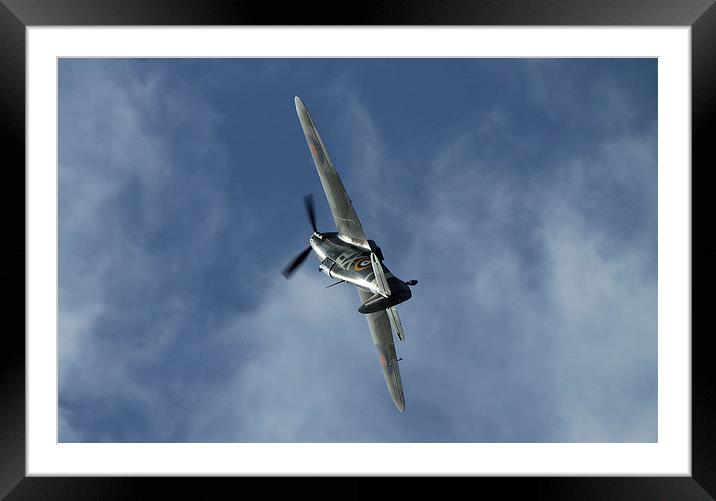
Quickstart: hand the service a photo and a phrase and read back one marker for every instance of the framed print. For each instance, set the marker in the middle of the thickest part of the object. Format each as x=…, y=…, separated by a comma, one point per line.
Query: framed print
x=633, y=409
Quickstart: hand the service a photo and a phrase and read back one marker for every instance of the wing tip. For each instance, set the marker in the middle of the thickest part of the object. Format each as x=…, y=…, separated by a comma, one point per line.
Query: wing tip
x=396, y=391
x=400, y=405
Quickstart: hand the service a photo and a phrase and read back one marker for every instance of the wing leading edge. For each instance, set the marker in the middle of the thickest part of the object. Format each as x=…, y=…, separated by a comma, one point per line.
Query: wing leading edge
x=347, y=222
x=382, y=334
x=350, y=230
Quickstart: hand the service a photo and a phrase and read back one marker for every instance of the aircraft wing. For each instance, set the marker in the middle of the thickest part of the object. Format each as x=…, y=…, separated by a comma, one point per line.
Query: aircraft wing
x=379, y=324
x=347, y=222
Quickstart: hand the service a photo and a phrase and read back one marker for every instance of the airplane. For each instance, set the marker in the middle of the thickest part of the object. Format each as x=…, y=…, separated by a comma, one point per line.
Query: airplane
x=347, y=255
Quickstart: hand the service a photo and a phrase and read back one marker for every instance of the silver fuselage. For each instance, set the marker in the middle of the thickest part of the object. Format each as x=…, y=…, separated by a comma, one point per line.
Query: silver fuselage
x=344, y=261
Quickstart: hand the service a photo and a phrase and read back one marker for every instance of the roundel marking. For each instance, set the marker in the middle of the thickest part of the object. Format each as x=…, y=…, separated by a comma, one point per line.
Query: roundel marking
x=362, y=264
x=315, y=148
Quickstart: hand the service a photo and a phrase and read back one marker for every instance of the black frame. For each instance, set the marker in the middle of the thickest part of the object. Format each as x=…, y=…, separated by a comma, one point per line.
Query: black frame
x=15, y=15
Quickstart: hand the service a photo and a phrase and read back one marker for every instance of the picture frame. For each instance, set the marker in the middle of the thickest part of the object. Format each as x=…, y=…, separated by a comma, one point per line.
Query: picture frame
x=15, y=16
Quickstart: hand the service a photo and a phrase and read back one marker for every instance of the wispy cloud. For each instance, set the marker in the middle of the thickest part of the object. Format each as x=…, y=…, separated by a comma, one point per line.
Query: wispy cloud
x=538, y=294
x=126, y=282
x=534, y=320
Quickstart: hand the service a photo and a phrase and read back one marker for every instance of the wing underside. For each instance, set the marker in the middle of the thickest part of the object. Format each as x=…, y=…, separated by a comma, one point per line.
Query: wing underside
x=382, y=334
x=347, y=222
x=350, y=230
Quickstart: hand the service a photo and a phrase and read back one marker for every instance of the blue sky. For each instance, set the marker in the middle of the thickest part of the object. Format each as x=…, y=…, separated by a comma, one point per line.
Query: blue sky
x=522, y=194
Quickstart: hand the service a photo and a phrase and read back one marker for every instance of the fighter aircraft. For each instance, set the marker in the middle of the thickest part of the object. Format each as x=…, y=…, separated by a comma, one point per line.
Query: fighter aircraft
x=349, y=256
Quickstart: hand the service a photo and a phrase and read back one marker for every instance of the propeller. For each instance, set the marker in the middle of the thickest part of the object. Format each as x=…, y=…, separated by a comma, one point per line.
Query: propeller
x=288, y=271
x=310, y=211
x=298, y=260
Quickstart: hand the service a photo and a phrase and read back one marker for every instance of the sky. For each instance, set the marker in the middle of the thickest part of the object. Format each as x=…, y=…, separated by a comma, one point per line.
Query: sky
x=521, y=193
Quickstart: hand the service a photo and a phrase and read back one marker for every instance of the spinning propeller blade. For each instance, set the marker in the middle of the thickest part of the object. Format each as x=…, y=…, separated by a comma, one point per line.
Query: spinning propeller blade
x=308, y=202
x=288, y=271
x=311, y=213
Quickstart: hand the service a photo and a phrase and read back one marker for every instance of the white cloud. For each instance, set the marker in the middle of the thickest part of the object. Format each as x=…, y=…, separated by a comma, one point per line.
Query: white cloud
x=533, y=319
x=582, y=339
x=115, y=163
x=312, y=373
